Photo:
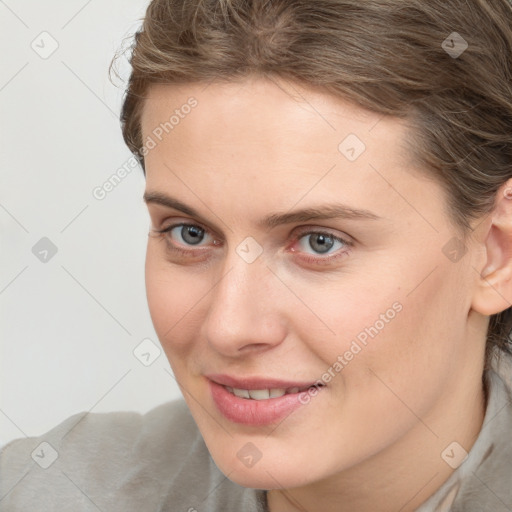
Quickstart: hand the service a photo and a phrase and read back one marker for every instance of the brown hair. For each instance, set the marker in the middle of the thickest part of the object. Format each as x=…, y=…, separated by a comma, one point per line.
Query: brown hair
x=389, y=56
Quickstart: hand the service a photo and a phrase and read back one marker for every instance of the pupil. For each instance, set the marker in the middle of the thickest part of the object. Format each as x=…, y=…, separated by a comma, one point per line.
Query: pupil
x=191, y=234
x=322, y=244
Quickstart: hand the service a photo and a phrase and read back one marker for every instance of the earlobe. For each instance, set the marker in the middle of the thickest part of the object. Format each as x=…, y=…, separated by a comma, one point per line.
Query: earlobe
x=493, y=293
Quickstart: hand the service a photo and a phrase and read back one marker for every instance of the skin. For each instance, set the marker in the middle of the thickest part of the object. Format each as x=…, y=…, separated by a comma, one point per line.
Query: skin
x=372, y=439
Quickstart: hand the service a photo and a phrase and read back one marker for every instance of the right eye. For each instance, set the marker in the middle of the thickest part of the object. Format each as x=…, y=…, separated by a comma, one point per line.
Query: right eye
x=179, y=237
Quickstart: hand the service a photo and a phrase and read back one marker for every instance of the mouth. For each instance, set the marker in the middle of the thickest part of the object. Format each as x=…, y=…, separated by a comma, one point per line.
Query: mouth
x=257, y=401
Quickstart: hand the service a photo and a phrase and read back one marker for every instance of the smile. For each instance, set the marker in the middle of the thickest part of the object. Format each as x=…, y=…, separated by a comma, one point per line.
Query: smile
x=259, y=405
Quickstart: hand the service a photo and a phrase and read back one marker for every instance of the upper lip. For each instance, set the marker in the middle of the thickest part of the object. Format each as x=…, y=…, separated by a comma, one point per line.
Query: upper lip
x=257, y=382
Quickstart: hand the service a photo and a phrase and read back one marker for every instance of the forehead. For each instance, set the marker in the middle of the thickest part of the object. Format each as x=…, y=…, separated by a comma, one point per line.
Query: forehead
x=268, y=102
x=267, y=120
x=273, y=144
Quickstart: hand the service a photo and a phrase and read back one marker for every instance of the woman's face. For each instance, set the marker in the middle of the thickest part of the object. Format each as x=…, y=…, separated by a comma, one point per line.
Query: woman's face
x=369, y=299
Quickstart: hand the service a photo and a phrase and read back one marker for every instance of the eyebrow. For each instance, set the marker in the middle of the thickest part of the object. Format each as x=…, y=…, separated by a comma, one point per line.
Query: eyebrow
x=323, y=212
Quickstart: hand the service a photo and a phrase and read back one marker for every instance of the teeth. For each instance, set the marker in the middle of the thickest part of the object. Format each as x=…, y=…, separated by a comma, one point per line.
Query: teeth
x=242, y=393
x=277, y=392
x=261, y=394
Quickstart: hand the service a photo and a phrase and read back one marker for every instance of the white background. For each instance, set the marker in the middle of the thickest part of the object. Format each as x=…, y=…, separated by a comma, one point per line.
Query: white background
x=69, y=325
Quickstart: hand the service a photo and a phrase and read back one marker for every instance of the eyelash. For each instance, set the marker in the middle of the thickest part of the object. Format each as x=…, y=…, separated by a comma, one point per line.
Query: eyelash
x=321, y=260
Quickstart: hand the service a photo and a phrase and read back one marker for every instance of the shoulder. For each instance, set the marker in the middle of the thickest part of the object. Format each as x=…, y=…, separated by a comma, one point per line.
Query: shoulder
x=115, y=460
x=86, y=436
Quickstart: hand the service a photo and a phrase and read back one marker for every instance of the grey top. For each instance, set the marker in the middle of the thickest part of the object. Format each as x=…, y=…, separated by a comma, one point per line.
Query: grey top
x=158, y=462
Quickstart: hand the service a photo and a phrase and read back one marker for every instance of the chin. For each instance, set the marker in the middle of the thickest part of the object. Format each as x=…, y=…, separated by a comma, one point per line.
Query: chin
x=263, y=474
x=258, y=479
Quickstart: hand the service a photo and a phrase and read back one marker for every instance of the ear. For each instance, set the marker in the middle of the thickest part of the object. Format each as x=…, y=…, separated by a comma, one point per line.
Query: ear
x=493, y=293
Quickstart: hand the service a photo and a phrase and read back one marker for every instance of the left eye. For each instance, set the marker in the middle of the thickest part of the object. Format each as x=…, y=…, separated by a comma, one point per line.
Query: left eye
x=320, y=242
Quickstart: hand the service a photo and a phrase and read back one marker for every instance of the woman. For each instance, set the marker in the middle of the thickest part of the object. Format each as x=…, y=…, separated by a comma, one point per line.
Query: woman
x=328, y=266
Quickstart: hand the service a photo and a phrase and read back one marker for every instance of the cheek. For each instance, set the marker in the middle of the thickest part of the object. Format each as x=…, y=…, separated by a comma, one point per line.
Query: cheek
x=412, y=359
x=176, y=299
x=169, y=295
x=408, y=335
x=347, y=315
x=158, y=291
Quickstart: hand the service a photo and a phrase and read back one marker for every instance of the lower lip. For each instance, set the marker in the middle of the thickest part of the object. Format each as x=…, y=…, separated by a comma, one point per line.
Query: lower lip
x=253, y=412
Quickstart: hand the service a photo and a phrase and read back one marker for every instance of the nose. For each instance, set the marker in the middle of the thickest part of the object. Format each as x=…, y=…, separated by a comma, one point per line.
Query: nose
x=244, y=312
